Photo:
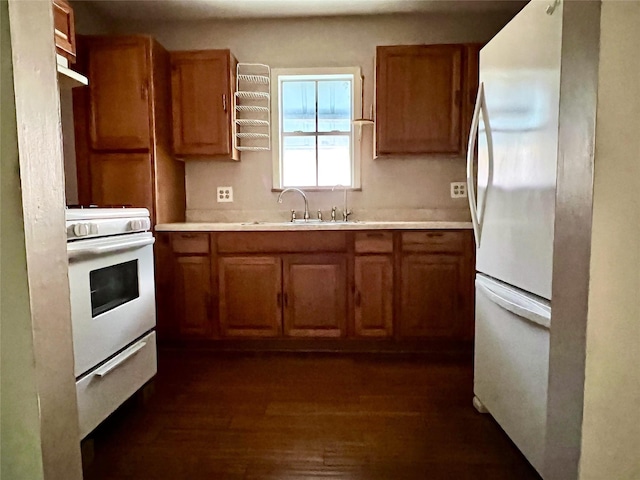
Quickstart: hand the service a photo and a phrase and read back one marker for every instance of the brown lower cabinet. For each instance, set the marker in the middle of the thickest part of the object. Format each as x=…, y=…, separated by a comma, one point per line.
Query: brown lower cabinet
x=315, y=295
x=192, y=295
x=382, y=285
x=184, y=286
x=250, y=296
x=294, y=296
x=432, y=303
x=373, y=296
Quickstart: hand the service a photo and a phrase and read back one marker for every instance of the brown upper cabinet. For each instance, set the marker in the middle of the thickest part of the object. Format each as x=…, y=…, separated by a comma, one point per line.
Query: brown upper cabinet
x=202, y=86
x=64, y=29
x=422, y=96
x=120, y=103
x=122, y=126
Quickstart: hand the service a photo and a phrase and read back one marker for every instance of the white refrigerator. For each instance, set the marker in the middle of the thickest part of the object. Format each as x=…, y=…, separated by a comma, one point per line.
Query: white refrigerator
x=514, y=138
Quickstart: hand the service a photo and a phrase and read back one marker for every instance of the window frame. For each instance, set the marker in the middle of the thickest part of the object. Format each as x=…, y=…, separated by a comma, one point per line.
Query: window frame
x=287, y=74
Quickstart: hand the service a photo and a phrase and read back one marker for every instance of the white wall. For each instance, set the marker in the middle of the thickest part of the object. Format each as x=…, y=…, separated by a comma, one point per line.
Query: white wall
x=37, y=113
x=20, y=450
x=611, y=424
x=88, y=21
x=410, y=188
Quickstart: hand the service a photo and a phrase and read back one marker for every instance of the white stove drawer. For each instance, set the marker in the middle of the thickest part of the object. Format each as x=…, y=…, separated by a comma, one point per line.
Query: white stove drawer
x=105, y=388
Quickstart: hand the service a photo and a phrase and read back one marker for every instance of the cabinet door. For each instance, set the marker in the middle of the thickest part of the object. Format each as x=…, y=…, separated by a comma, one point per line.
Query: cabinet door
x=201, y=102
x=64, y=29
x=373, y=297
x=418, y=99
x=192, y=296
x=315, y=295
x=122, y=179
x=166, y=325
x=119, y=79
x=433, y=290
x=470, y=79
x=250, y=296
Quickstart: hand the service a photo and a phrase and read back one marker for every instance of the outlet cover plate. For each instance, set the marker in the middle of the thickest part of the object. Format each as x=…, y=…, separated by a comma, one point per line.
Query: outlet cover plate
x=225, y=194
x=458, y=189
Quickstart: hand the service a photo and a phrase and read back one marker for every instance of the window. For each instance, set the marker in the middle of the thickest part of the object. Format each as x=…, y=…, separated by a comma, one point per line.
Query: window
x=314, y=142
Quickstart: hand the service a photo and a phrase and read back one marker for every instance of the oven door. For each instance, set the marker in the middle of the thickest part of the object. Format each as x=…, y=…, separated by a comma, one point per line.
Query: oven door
x=112, y=295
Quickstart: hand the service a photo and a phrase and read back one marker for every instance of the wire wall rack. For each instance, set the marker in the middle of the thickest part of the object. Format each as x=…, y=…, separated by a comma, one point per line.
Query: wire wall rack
x=253, y=107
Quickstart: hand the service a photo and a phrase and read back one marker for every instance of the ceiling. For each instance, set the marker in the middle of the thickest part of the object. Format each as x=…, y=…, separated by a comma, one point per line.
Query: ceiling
x=166, y=10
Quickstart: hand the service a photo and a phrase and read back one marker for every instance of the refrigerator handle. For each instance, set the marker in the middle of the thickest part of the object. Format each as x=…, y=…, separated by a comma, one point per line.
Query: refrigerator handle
x=471, y=190
x=518, y=307
x=478, y=217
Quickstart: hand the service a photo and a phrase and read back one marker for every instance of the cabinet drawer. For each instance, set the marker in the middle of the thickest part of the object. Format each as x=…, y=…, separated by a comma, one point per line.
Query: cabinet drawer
x=433, y=241
x=374, y=242
x=190, y=242
x=285, y=242
x=100, y=393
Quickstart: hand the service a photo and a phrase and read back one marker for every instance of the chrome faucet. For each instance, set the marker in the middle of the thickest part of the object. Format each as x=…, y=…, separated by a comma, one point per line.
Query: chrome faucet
x=345, y=210
x=306, y=202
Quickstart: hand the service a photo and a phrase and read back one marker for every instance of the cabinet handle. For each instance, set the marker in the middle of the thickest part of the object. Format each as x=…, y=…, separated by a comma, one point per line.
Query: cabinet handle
x=434, y=235
x=224, y=102
x=375, y=235
x=358, y=298
x=143, y=91
x=279, y=299
x=286, y=300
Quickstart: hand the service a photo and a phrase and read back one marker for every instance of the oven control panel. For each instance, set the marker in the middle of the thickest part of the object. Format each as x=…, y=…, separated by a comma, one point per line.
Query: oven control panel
x=104, y=222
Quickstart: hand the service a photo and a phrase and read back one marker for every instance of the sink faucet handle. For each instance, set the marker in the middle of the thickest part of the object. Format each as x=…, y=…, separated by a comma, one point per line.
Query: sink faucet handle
x=345, y=215
x=293, y=215
x=333, y=213
x=320, y=215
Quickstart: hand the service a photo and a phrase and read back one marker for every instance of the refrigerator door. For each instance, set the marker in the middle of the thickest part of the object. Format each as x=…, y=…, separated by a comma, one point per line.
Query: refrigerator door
x=520, y=75
x=512, y=363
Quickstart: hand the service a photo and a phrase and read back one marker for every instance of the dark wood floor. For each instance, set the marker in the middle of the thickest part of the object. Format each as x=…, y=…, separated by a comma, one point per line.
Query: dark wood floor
x=297, y=416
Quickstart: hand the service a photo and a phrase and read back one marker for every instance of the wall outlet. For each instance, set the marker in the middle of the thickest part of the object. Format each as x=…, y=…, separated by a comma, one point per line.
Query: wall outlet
x=225, y=194
x=458, y=189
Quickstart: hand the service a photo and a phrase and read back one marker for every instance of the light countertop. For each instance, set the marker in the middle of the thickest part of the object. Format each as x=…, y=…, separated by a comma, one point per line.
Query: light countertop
x=312, y=225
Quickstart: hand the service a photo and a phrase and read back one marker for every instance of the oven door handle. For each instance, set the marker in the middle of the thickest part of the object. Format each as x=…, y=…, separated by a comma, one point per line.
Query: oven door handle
x=118, y=247
x=108, y=367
